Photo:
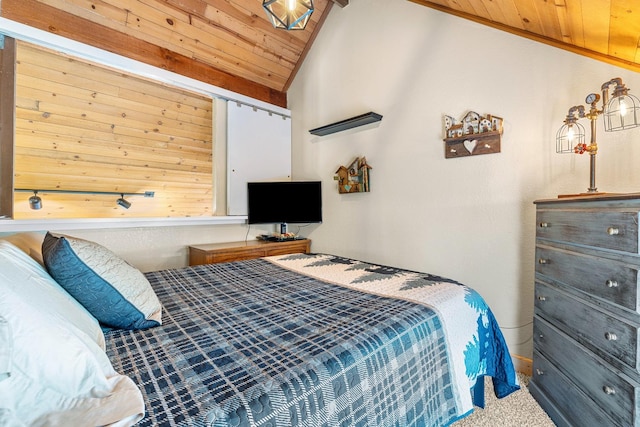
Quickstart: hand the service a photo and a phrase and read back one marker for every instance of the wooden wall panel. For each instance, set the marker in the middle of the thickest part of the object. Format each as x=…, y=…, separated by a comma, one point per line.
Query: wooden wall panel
x=84, y=127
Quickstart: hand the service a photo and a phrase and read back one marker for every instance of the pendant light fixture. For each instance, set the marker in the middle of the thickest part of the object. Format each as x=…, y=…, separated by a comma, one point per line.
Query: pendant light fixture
x=288, y=14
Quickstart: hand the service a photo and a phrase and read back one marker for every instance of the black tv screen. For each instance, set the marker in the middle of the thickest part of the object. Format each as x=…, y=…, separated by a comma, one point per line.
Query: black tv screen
x=284, y=202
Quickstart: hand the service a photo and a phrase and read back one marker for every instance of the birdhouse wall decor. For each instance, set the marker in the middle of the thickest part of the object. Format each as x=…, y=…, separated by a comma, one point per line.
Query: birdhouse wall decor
x=473, y=135
x=353, y=178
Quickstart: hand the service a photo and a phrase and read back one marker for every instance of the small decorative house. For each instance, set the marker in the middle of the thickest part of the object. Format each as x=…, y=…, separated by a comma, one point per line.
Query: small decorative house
x=353, y=178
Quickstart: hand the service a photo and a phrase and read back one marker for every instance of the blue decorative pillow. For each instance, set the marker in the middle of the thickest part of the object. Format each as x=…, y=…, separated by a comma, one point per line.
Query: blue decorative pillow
x=117, y=294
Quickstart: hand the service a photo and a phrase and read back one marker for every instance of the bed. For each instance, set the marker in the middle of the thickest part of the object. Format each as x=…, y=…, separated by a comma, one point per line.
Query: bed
x=306, y=340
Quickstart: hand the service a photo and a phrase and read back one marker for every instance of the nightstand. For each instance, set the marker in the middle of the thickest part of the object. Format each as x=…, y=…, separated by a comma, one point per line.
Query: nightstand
x=237, y=251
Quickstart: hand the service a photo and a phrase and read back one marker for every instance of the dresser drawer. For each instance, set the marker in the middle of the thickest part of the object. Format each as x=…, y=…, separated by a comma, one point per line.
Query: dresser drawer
x=616, y=230
x=613, y=281
x=566, y=397
x=611, y=392
x=605, y=335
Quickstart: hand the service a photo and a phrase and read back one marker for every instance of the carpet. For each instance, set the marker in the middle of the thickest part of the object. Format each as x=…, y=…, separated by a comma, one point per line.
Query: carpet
x=516, y=410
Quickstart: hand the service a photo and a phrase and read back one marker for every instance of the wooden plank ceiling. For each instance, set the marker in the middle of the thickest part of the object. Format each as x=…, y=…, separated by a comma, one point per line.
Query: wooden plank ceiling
x=606, y=30
x=228, y=43
x=231, y=44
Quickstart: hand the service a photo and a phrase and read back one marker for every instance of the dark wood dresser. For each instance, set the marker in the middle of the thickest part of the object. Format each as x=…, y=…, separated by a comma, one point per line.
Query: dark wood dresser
x=586, y=324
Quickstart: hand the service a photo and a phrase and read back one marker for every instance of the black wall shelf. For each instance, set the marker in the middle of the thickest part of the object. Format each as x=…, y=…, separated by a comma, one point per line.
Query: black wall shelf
x=361, y=120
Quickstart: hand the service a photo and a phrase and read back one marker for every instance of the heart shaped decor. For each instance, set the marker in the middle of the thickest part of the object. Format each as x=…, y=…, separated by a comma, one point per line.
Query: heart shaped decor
x=470, y=144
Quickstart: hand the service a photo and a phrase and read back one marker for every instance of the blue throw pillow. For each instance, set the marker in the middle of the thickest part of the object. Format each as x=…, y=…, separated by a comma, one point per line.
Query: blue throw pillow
x=116, y=293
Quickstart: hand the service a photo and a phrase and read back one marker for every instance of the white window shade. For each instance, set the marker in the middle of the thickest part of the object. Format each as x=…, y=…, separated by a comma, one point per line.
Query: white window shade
x=258, y=149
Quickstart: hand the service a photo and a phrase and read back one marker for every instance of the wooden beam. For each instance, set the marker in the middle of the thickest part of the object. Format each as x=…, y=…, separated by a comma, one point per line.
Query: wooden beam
x=7, y=119
x=307, y=47
x=47, y=18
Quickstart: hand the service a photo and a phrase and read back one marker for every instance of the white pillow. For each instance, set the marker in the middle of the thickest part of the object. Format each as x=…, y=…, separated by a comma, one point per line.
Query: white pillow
x=30, y=281
x=59, y=376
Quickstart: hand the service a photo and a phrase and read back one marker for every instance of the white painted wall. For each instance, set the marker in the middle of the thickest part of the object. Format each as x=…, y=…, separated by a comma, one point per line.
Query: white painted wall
x=471, y=219
x=158, y=248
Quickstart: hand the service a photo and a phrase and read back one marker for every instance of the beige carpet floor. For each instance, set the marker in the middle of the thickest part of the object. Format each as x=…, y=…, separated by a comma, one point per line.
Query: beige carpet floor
x=519, y=409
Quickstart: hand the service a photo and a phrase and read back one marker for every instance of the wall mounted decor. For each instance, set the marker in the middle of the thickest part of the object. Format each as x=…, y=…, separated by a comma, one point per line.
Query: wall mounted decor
x=361, y=120
x=474, y=135
x=353, y=178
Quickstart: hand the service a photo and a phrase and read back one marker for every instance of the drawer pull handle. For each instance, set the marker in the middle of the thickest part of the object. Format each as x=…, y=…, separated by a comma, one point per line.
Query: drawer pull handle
x=612, y=284
x=611, y=336
x=543, y=261
x=609, y=390
x=542, y=298
x=612, y=231
x=544, y=225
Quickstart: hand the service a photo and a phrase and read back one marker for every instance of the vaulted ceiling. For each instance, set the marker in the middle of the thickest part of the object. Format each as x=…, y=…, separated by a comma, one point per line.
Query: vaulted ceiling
x=606, y=30
x=228, y=43
x=231, y=43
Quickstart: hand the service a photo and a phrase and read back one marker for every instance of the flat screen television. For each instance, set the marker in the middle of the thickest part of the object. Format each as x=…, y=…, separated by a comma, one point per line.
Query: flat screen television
x=284, y=202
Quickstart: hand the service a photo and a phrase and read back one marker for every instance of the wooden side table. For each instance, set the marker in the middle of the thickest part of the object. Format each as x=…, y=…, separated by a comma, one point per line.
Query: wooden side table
x=237, y=251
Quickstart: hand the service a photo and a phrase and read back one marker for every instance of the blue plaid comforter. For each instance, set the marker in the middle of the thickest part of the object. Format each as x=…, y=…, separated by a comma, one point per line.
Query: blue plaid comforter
x=272, y=342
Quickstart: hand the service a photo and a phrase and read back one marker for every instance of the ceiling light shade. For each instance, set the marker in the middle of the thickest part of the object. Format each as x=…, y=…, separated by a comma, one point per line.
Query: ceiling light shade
x=123, y=203
x=288, y=14
x=35, y=202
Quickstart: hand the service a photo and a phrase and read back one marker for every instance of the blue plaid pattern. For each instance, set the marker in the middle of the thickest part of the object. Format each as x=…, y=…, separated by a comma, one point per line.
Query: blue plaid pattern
x=253, y=344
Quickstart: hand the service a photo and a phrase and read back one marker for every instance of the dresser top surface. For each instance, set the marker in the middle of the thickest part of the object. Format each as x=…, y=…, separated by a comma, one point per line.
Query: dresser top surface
x=596, y=197
x=246, y=244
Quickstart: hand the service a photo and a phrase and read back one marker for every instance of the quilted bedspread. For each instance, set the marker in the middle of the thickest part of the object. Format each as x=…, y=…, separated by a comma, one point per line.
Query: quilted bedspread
x=311, y=340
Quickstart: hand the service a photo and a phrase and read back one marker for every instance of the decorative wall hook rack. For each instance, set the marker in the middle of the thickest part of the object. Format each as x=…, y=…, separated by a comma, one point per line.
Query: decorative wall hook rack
x=473, y=135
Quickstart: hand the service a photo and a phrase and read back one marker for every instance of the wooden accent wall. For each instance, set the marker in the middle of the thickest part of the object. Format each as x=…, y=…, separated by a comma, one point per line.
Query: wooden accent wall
x=81, y=126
